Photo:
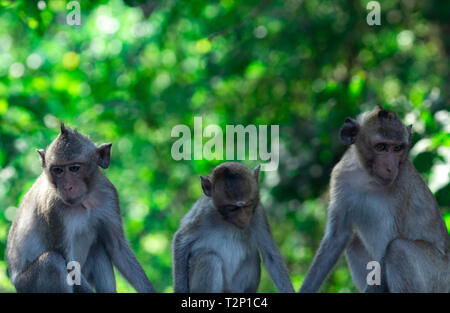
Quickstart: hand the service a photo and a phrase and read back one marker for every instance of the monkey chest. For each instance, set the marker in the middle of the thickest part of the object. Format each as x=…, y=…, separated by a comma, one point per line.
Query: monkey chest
x=374, y=221
x=79, y=236
x=236, y=252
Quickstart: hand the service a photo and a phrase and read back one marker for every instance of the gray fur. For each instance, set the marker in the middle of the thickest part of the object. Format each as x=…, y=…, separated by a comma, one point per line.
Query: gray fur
x=399, y=225
x=212, y=255
x=47, y=233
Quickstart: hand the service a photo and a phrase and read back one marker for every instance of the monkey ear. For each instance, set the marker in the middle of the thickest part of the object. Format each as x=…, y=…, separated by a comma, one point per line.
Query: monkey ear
x=256, y=172
x=42, y=156
x=349, y=131
x=206, y=185
x=104, y=153
x=409, y=130
x=63, y=129
x=383, y=114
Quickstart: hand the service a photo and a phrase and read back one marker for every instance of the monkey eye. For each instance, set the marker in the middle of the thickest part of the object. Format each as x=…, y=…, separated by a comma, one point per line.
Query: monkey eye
x=74, y=168
x=380, y=146
x=250, y=203
x=231, y=208
x=57, y=170
x=398, y=148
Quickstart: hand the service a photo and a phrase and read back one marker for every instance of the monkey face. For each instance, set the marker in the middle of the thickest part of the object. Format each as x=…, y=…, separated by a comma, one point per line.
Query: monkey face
x=71, y=163
x=236, y=201
x=69, y=180
x=381, y=141
x=239, y=214
x=388, y=155
x=234, y=191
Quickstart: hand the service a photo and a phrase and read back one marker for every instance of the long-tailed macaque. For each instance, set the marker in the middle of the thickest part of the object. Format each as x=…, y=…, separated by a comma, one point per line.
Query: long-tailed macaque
x=381, y=210
x=71, y=213
x=216, y=248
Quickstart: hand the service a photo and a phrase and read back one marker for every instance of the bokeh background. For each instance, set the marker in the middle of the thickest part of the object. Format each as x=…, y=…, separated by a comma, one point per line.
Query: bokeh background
x=134, y=69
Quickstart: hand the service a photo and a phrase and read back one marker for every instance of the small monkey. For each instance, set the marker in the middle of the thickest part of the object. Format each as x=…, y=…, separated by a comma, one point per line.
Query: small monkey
x=71, y=213
x=381, y=210
x=216, y=248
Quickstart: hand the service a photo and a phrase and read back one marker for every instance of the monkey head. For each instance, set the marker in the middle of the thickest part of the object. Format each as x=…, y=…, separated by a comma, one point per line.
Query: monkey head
x=381, y=141
x=233, y=188
x=70, y=162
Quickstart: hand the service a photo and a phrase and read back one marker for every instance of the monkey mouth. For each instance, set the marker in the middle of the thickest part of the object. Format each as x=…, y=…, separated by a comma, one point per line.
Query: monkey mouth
x=71, y=201
x=241, y=225
x=384, y=181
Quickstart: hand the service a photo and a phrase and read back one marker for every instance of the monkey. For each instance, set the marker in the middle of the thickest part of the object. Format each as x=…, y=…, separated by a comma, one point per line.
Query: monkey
x=217, y=246
x=382, y=210
x=71, y=213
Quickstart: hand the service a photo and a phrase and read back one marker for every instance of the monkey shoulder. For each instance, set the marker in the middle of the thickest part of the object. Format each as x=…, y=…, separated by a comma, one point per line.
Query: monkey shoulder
x=421, y=212
x=190, y=228
x=198, y=214
x=105, y=187
x=34, y=197
x=413, y=183
x=26, y=238
x=415, y=194
x=103, y=200
x=347, y=169
x=348, y=182
x=260, y=218
x=28, y=219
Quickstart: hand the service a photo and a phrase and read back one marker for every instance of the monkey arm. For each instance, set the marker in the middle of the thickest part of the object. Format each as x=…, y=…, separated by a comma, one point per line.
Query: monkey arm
x=99, y=268
x=270, y=255
x=180, y=253
x=125, y=261
x=84, y=287
x=336, y=237
x=123, y=257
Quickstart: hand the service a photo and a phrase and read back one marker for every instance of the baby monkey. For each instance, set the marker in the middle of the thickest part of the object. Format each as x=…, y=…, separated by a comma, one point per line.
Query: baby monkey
x=216, y=248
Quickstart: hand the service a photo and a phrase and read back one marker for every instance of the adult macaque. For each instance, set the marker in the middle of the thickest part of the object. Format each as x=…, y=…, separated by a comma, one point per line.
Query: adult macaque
x=71, y=213
x=216, y=248
x=381, y=210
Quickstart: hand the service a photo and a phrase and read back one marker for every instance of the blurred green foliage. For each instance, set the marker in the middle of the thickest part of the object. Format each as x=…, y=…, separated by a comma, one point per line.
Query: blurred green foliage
x=133, y=70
